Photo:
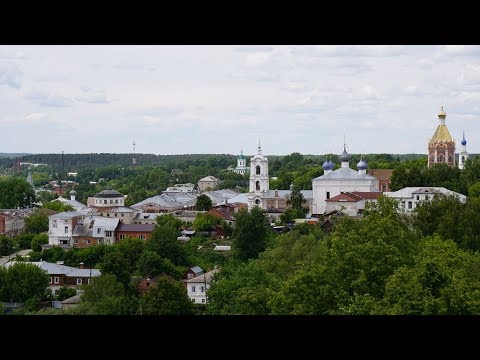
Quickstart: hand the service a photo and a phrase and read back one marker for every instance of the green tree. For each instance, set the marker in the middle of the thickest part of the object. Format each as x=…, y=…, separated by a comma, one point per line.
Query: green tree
x=24, y=241
x=7, y=245
x=151, y=264
x=474, y=190
x=115, y=263
x=58, y=206
x=168, y=297
x=15, y=193
x=38, y=240
x=204, y=203
x=205, y=222
x=22, y=282
x=65, y=293
x=297, y=201
x=36, y=222
x=105, y=285
x=131, y=249
x=170, y=221
x=251, y=233
x=163, y=241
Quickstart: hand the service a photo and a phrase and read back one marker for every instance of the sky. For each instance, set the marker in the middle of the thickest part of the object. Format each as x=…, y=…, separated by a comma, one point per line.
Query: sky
x=220, y=99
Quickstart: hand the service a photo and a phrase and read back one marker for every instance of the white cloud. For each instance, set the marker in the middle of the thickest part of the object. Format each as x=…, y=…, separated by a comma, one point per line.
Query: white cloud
x=36, y=116
x=10, y=75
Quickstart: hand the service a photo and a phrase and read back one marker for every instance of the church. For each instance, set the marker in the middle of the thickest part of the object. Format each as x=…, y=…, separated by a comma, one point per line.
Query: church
x=331, y=184
x=441, y=147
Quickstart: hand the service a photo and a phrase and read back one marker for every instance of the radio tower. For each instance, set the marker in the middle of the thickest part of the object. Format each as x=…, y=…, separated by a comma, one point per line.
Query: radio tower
x=134, y=161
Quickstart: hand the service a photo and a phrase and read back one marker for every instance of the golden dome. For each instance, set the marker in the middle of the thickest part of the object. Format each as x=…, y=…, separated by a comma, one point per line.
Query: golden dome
x=442, y=114
x=442, y=134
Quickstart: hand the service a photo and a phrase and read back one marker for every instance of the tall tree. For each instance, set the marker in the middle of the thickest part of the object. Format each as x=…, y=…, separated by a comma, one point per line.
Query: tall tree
x=37, y=222
x=163, y=241
x=251, y=233
x=15, y=193
x=22, y=282
x=168, y=297
x=204, y=203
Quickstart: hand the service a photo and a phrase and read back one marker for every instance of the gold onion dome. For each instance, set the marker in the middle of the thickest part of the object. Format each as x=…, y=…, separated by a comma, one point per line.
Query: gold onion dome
x=442, y=114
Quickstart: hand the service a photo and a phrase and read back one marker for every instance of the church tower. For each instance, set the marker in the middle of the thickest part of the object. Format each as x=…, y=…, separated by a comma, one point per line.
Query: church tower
x=241, y=164
x=441, y=147
x=259, y=181
x=463, y=156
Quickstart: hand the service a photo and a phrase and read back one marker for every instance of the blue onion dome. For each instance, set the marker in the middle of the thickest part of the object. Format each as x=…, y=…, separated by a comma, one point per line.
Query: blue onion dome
x=331, y=164
x=362, y=165
x=464, y=142
x=326, y=165
x=345, y=156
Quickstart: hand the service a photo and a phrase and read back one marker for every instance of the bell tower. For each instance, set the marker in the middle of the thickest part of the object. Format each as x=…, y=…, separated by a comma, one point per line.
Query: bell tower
x=259, y=181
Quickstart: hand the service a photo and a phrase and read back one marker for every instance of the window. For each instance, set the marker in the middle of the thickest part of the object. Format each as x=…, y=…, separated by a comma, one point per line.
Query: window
x=104, y=201
x=79, y=281
x=88, y=281
x=99, y=230
x=384, y=187
x=76, y=241
x=193, y=288
x=189, y=276
x=141, y=237
x=116, y=201
x=122, y=236
x=66, y=229
x=115, y=214
x=328, y=194
x=54, y=223
x=257, y=170
x=257, y=201
x=108, y=214
x=203, y=301
x=56, y=280
x=51, y=280
x=202, y=289
x=403, y=204
x=409, y=204
x=418, y=197
x=108, y=233
x=426, y=197
x=111, y=201
x=88, y=241
x=463, y=159
x=257, y=185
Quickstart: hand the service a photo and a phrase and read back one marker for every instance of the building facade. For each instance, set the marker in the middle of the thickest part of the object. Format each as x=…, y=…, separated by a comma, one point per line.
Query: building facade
x=207, y=183
x=409, y=197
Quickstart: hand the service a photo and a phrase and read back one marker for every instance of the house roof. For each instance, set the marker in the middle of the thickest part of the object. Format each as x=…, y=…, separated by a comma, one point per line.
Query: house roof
x=220, y=196
x=345, y=174
x=381, y=174
x=345, y=197
x=110, y=209
x=240, y=198
x=197, y=270
x=209, y=178
x=372, y=195
x=75, y=299
x=66, y=215
x=407, y=192
x=207, y=277
x=170, y=200
x=77, y=205
x=136, y=227
x=109, y=194
x=57, y=269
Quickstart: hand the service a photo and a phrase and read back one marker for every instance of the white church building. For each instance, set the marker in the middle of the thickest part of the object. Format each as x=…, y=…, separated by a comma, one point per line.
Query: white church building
x=344, y=179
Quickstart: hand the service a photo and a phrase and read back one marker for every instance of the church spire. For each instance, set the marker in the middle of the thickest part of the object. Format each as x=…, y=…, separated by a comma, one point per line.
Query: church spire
x=259, y=150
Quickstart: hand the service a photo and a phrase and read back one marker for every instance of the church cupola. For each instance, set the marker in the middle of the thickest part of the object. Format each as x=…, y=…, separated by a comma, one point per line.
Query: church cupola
x=441, y=147
x=345, y=158
x=463, y=156
x=328, y=166
x=362, y=166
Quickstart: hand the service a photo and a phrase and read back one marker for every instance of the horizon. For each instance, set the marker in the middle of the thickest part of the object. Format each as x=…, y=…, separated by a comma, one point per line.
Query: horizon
x=182, y=99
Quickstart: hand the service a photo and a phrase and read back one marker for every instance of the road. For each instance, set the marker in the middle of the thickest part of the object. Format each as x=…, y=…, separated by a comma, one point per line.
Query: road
x=5, y=259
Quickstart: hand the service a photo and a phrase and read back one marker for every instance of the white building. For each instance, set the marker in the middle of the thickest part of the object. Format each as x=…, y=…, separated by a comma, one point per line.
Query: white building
x=259, y=181
x=241, y=164
x=77, y=205
x=198, y=286
x=350, y=203
x=336, y=182
x=463, y=156
x=207, y=183
x=61, y=226
x=181, y=188
x=410, y=197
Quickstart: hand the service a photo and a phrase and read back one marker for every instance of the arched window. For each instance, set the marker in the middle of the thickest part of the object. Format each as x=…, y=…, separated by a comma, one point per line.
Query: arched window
x=257, y=170
x=463, y=159
x=441, y=158
x=257, y=185
x=450, y=158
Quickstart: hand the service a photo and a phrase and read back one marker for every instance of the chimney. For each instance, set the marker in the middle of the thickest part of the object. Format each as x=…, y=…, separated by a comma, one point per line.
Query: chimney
x=82, y=265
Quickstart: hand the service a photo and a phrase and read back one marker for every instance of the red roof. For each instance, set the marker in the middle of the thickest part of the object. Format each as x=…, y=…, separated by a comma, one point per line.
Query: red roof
x=345, y=197
x=368, y=195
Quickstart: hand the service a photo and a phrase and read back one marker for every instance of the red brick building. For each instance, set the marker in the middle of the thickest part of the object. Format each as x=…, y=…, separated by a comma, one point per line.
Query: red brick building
x=141, y=231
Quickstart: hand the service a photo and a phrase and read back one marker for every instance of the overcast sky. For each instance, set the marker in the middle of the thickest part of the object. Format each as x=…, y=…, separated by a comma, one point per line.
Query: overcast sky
x=218, y=99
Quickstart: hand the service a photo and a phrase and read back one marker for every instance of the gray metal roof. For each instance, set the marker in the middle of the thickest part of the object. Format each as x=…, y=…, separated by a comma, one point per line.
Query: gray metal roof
x=345, y=174
x=84, y=273
x=408, y=192
x=220, y=196
x=56, y=269
x=197, y=270
x=170, y=200
x=66, y=215
x=77, y=205
x=207, y=277
x=110, y=209
x=109, y=194
x=209, y=178
x=240, y=198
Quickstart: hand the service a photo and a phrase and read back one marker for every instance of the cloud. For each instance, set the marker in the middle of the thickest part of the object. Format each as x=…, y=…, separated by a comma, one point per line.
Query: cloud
x=466, y=50
x=10, y=75
x=257, y=59
x=45, y=98
x=255, y=49
x=134, y=67
x=93, y=96
x=36, y=116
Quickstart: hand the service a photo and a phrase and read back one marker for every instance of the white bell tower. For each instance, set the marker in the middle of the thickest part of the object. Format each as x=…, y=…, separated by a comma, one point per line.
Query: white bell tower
x=259, y=181
x=463, y=156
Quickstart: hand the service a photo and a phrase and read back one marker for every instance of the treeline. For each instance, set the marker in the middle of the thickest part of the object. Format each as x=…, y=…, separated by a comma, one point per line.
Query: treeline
x=384, y=263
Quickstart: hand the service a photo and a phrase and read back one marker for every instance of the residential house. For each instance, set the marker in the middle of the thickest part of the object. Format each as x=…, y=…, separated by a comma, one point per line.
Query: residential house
x=62, y=275
x=12, y=221
x=198, y=286
x=94, y=230
x=192, y=272
x=61, y=226
x=141, y=231
x=409, y=197
x=207, y=183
